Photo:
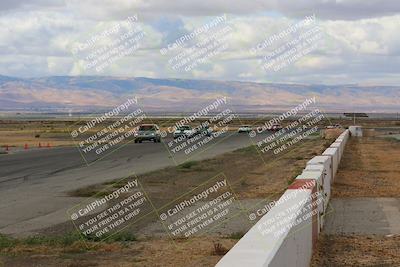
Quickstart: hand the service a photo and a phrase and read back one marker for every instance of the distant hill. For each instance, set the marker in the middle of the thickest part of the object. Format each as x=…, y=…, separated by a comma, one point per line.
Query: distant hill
x=98, y=92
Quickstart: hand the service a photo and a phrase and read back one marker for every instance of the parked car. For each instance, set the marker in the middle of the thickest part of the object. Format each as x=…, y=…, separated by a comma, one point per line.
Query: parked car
x=148, y=132
x=185, y=131
x=245, y=129
x=335, y=126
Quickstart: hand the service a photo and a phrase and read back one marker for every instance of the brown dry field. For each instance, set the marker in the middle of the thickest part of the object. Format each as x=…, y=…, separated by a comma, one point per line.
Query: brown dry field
x=369, y=168
x=252, y=174
x=336, y=250
x=197, y=251
x=17, y=133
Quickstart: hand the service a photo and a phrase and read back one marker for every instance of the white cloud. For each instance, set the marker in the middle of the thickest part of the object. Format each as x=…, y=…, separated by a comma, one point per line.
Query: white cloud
x=319, y=62
x=324, y=9
x=109, y=9
x=39, y=42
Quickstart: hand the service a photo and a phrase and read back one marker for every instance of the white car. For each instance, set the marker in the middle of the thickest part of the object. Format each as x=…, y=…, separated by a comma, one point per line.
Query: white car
x=336, y=126
x=245, y=129
x=185, y=131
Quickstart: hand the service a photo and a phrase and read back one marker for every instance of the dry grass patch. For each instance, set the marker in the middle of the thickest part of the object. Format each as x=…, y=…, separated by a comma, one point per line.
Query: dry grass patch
x=198, y=251
x=370, y=167
x=355, y=250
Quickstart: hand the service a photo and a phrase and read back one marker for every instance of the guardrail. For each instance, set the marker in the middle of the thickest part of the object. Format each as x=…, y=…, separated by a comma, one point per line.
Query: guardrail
x=287, y=234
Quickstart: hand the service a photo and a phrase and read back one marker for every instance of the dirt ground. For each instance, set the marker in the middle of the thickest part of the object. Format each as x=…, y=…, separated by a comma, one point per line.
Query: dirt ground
x=19, y=133
x=199, y=251
x=356, y=250
x=369, y=168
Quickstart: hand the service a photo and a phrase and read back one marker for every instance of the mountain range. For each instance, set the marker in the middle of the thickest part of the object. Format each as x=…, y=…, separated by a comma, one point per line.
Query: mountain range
x=88, y=93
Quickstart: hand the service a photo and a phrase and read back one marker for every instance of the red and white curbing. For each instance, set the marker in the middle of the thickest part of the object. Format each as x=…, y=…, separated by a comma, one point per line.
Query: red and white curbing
x=298, y=229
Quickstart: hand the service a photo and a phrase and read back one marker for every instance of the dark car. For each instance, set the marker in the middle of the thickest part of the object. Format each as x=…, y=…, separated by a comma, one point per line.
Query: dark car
x=275, y=128
x=204, y=130
x=245, y=129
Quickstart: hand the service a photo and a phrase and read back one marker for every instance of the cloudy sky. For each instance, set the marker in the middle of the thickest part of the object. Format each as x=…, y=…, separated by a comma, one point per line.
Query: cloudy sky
x=358, y=40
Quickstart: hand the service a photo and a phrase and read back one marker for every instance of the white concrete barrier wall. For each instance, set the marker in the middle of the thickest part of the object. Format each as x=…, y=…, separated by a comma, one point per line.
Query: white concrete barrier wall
x=326, y=184
x=326, y=162
x=323, y=191
x=339, y=146
x=292, y=247
x=319, y=173
x=345, y=135
x=300, y=241
x=341, y=142
x=334, y=153
x=356, y=131
x=291, y=240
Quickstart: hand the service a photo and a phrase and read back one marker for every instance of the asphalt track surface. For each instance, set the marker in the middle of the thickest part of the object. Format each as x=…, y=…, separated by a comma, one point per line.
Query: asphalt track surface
x=34, y=183
x=364, y=216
